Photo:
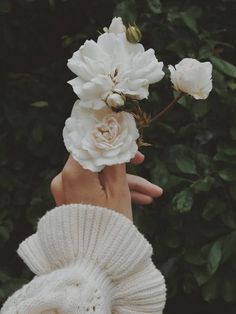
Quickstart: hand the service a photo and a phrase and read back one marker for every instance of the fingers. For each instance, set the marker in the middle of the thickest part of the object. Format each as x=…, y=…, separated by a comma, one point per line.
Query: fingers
x=142, y=191
x=57, y=190
x=143, y=186
x=140, y=199
x=138, y=159
x=114, y=177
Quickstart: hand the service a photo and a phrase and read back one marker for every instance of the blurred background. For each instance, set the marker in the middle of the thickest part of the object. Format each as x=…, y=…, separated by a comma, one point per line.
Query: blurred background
x=193, y=226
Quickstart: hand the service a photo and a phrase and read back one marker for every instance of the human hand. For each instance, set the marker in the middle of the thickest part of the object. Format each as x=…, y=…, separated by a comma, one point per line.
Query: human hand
x=141, y=191
x=109, y=188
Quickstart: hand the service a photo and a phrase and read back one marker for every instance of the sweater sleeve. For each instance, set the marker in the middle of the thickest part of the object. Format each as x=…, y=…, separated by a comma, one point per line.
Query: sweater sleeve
x=88, y=259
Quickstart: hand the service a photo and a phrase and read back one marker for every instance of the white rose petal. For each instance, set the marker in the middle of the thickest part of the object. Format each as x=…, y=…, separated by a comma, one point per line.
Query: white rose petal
x=97, y=138
x=192, y=77
x=116, y=26
x=113, y=65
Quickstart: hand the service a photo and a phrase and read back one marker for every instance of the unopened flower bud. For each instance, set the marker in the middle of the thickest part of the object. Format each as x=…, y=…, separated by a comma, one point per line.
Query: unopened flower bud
x=115, y=100
x=133, y=34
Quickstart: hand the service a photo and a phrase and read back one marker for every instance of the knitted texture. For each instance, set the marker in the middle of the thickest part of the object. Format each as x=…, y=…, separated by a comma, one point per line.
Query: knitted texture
x=88, y=259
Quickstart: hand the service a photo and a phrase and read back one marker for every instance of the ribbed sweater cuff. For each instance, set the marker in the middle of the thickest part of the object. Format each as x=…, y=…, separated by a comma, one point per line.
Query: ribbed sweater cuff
x=73, y=232
x=103, y=243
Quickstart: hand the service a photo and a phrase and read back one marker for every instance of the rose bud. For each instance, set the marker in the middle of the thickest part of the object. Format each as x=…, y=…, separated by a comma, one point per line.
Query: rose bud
x=133, y=34
x=115, y=100
x=192, y=77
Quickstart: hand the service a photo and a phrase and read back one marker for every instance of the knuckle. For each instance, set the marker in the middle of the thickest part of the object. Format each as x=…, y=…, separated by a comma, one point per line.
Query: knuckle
x=70, y=177
x=66, y=174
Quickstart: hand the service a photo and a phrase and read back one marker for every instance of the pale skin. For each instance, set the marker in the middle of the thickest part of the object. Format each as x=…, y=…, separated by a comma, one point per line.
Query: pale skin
x=111, y=188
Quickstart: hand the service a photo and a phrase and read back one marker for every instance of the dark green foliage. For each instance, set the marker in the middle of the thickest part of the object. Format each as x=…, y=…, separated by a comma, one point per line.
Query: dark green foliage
x=193, y=156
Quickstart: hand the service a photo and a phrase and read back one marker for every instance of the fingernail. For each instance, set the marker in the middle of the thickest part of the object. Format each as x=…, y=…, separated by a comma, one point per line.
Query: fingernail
x=160, y=190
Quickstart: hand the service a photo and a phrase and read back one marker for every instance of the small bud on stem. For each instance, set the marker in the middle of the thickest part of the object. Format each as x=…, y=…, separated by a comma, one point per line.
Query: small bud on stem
x=133, y=34
x=115, y=100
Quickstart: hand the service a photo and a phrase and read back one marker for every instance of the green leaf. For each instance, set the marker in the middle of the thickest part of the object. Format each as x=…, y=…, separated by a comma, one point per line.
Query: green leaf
x=214, y=207
x=219, y=83
x=200, y=274
x=187, y=131
x=160, y=174
x=203, y=185
x=39, y=104
x=184, y=101
x=228, y=174
x=189, y=21
x=195, y=257
x=186, y=165
x=228, y=149
x=224, y=66
x=205, y=52
x=223, y=157
x=214, y=257
x=4, y=233
x=189, y=283
x=204, y=162
x=228, y=246
x=204, y=136
x=183, y=201
x=211, y=290
x=174, y=181
x=228, y=290
x=232, y=84
x=155, y=6
x=200, y=108
x=170, y=266
x=229, y=218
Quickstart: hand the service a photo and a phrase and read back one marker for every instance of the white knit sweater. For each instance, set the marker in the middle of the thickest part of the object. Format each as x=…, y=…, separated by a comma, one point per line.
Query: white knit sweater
x=88, y=259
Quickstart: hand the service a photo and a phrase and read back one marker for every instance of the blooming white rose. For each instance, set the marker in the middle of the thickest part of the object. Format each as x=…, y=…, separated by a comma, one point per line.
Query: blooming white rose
x=192, y=77
x=97, y=138
x=113, y=65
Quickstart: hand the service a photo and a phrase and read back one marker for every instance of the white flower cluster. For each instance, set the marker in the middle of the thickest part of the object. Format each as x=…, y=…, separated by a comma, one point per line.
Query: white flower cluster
x=108, y=73
x=113, y=66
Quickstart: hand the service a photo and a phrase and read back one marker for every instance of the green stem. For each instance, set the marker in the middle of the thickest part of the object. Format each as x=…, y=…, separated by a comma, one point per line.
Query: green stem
x=167, y=108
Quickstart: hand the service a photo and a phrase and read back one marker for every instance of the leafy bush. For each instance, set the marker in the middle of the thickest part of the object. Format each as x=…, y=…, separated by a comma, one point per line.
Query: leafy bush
x=193, y=226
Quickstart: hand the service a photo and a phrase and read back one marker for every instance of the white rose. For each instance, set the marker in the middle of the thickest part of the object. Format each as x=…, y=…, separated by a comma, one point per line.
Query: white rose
x=97, y=138
x=192, y=77
x=113, y=65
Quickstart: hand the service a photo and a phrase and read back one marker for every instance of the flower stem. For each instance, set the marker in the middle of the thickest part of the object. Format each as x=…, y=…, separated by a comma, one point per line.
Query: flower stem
x=167, y=108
